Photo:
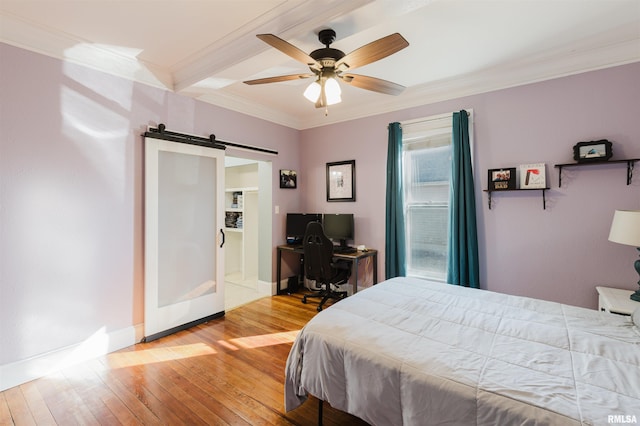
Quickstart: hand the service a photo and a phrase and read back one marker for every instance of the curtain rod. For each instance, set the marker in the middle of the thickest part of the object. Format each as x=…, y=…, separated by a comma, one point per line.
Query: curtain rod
x=432, y=118
x=211, y=142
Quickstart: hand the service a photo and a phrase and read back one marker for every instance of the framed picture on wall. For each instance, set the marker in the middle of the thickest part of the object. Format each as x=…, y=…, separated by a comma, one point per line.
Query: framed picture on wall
x=592, y=151
x=502, y=179
x=288, y=179
x=341, y=181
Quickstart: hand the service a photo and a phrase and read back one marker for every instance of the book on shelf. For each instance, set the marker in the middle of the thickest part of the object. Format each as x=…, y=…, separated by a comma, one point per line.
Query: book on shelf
x=533, y=176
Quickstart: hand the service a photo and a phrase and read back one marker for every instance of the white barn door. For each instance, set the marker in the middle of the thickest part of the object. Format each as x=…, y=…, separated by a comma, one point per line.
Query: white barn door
x=184, y=222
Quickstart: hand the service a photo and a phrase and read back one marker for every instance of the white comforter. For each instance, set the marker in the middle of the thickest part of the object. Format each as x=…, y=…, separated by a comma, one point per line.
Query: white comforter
x=413, y=352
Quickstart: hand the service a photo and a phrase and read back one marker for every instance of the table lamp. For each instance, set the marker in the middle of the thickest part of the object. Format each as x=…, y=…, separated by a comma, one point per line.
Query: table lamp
x=625, y=229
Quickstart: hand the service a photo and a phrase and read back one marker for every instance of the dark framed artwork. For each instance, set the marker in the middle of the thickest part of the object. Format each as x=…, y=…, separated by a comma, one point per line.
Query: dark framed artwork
x=341, y=181
x=502, y=179
x=584, y=152
x=288, y=179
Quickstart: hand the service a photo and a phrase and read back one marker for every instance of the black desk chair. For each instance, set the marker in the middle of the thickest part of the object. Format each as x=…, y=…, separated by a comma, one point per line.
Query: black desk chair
x=322, y=267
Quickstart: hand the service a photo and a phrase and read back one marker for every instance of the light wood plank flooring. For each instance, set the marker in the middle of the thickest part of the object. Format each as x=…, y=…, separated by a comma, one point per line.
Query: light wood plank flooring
x=229, y=371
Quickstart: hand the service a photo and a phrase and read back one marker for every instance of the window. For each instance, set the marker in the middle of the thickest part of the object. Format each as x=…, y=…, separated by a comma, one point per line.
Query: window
x=426, y=164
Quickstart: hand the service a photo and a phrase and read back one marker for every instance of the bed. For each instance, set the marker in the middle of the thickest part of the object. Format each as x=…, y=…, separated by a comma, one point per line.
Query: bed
x=414, y=352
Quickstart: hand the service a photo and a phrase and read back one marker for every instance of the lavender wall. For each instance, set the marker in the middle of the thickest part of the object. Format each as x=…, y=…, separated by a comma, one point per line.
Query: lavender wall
x=71, y=195
x=71, y=190
x=558, y=254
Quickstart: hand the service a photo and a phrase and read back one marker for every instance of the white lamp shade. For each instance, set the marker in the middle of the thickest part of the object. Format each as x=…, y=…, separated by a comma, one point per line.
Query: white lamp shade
x=313, y=91
x=332, y=91
x=625, y=228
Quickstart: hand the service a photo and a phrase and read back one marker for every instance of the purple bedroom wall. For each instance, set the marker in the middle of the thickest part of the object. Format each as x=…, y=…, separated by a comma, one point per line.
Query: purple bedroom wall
x=559, y=254
x=71, y=196
x=71, y=190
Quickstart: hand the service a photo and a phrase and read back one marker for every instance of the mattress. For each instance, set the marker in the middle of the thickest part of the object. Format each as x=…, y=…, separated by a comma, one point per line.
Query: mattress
x=414, y=352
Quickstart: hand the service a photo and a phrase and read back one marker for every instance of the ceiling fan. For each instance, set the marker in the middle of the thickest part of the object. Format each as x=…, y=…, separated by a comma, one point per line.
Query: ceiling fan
x=329, y=65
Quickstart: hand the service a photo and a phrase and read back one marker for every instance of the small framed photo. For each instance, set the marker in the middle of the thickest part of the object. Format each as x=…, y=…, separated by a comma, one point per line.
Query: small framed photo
x=533, y=176
x=341, y=181
x=592, y=151
x=502, y=179
x=288, y=179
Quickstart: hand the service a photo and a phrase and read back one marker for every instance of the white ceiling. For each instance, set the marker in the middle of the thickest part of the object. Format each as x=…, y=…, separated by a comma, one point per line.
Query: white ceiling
x=206, y=48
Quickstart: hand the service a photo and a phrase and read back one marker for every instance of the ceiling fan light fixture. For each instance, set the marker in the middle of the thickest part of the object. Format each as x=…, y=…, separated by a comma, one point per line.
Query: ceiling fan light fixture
x=312, y=93
x=332, y=91
x=327, y=65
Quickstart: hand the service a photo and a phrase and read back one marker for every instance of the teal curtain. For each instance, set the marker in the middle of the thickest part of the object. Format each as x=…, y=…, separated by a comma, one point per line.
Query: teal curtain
x=462, y=262
x=394, y=259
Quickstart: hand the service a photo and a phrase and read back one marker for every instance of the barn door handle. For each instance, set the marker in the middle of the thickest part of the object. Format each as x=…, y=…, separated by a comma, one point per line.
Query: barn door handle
x=222, y=232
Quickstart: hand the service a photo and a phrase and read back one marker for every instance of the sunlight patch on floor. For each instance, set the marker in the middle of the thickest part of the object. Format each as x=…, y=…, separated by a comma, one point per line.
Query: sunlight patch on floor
x=147, y=356
x=260, y=341
x=173, y=353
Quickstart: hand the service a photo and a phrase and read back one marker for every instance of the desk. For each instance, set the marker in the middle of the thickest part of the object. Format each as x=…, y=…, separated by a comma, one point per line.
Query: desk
x=354, y=258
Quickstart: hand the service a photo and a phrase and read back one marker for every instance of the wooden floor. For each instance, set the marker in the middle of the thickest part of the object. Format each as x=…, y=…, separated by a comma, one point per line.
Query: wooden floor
x=227, y=371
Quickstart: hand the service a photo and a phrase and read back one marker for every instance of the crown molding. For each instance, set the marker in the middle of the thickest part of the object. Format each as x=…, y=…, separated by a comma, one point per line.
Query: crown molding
x=251, y=108
x=60, y=45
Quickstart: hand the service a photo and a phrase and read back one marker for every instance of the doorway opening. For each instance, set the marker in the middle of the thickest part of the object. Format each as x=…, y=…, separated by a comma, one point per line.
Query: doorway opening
x=248, y=218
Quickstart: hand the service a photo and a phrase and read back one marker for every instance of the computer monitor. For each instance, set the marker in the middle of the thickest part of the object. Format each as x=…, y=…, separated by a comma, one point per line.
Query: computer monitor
x=296, y=225
x=339, y=227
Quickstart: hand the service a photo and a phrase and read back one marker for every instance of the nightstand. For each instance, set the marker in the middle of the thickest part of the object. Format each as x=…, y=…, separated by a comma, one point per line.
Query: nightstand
x=616, y=301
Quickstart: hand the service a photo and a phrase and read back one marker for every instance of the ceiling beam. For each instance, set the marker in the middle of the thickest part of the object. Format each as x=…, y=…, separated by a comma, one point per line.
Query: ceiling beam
x=285, y=21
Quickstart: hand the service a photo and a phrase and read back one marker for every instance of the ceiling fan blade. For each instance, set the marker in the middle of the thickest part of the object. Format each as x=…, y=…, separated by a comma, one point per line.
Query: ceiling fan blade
x=373, y=84
x=373, y=51
x=288, y=49
x=278, y=78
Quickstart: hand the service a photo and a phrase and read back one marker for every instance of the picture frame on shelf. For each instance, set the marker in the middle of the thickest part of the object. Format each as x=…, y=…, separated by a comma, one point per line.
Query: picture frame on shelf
x=288, y=179
x=593, y=151
x=502, y=179
x=341, y=181
x=533, y=176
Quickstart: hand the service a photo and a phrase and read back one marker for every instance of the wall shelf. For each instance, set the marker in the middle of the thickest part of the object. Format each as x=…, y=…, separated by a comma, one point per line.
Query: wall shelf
x=630, y=164
x=544, y=200
x=241, y=227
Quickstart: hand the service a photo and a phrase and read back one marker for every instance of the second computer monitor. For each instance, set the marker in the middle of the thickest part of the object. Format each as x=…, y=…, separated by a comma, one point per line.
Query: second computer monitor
x=339, y=227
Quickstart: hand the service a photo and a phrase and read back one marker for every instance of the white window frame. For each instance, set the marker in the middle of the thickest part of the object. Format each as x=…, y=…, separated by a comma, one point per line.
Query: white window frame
x=414, y=131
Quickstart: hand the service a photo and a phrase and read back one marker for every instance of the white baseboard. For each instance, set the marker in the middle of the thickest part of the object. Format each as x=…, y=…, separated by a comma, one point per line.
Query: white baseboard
x=266, y=288
x=99, y=344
